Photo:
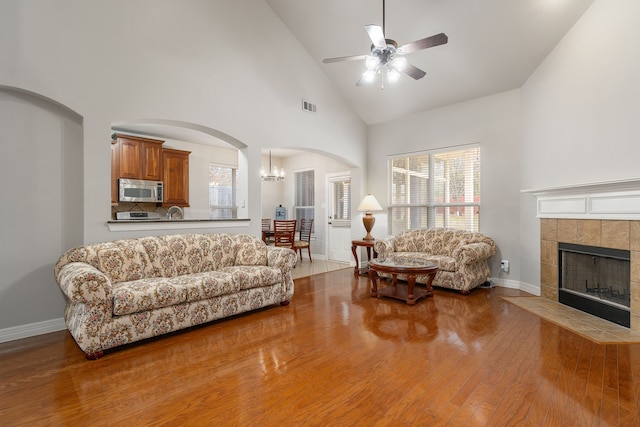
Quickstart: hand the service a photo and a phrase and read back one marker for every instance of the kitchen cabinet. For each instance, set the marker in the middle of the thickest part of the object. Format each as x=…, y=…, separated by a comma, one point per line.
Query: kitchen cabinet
x=139, y=158
x=175, y=167
x=115, y=166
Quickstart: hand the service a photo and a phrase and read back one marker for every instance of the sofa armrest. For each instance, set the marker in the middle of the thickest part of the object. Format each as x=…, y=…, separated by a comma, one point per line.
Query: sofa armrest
x=472, y=252
x=83, y=283
x=384, y=247
x=282, y=258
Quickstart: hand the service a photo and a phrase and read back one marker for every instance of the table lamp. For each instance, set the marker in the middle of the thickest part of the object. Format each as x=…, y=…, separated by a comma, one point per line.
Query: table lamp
x=369, y=204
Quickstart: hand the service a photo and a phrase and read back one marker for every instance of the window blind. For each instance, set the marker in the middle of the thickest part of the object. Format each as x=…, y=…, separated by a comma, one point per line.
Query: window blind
x=439, y=188
x=304, y=201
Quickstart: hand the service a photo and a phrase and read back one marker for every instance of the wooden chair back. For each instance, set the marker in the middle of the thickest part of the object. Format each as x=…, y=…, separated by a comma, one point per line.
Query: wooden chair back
x=305, y=229
x=304, y=241
x=284, y=232
x=267, y=234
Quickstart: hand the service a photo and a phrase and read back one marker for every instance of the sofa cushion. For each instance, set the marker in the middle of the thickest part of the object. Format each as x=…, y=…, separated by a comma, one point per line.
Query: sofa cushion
x=443, y=262
x=119, y=266
x=437, y=241
x=146, y=294
x=219, y=250
x=210, y=284
x=251, y=251
x=187, y=255
x=255, y=276
x=162, y=263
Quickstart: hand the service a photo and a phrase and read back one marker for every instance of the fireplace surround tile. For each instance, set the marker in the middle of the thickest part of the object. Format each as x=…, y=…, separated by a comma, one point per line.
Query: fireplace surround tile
x=589, y=232
x=568, y=230
x=634, y=235
x=615, y=234
x=634, y=304
x=635, y=266
x=549, y=229
x=549, y=292
x=549, y=275
x=549, y=252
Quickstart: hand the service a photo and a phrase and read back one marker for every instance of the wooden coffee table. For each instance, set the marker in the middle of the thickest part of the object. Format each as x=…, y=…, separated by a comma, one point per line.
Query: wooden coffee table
x=412, y=268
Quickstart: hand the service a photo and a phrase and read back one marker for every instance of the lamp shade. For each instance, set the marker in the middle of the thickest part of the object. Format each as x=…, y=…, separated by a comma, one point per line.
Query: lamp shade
x=369, y=204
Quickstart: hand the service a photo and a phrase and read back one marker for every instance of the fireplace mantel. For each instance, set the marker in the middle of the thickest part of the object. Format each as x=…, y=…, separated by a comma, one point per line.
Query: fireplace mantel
x=614, y=200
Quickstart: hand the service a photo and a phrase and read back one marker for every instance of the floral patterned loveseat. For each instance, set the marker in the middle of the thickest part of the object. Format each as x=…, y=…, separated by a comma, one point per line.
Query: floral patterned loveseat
x=461, y=255
x=128, y=290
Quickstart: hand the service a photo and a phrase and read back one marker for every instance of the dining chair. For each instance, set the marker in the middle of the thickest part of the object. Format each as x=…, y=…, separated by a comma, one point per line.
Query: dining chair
x=267, y=234
x=305, y=238
x=284, y=232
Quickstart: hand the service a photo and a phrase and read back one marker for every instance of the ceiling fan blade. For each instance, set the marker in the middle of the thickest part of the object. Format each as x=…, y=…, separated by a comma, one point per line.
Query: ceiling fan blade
x=376, y=35
x=362, y=82
x=343, y=58
x=413, y=71
x=432, y=41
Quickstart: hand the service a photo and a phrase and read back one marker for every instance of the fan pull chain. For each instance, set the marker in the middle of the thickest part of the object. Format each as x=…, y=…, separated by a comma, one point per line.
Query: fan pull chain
x=384, y=31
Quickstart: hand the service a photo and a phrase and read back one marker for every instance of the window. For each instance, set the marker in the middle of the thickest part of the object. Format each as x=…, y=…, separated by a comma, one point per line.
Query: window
x=222, y=192
x=304, y=202
x=439, y=188
x=340, y=193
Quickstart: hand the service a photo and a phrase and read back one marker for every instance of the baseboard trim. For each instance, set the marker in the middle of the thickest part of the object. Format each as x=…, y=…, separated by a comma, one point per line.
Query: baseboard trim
x=529, y=288
x=32, y=329
x=515, y=284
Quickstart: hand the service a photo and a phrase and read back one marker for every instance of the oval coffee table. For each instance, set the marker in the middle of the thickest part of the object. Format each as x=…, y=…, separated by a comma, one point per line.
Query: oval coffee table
x=412, y=268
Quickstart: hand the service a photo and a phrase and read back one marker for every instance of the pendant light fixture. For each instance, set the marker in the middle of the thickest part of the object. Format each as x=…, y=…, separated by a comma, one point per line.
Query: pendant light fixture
x=272, y=174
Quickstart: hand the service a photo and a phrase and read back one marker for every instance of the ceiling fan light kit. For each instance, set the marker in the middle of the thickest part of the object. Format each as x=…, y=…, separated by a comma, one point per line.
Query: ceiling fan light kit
x=386, y=58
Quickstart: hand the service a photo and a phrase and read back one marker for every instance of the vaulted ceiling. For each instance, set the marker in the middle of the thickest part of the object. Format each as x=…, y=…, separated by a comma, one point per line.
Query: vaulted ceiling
x=494, y=46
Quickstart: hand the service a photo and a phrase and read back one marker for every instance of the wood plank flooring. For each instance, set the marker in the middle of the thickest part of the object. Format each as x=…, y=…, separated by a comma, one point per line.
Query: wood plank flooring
x=334, y=357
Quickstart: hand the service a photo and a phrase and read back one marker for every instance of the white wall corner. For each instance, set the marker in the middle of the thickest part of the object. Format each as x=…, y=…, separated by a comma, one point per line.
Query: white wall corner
x=515, y=284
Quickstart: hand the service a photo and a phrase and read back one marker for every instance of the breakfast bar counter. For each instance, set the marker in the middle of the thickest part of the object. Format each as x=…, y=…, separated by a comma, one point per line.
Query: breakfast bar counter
x=175, y=224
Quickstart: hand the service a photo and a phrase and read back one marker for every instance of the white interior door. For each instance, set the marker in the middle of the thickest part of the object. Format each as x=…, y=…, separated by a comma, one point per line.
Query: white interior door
x=339, y=221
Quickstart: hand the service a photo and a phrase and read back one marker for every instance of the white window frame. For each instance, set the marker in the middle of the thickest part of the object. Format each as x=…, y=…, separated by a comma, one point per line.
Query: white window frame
x=439, y=214
x=234, y=191
x=307, y=207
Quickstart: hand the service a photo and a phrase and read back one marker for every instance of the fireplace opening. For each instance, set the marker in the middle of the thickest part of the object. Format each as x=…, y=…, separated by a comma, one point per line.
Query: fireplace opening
x=595, y=280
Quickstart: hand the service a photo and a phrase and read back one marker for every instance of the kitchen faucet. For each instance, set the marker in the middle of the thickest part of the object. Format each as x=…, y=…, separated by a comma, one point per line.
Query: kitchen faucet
x=173, y=209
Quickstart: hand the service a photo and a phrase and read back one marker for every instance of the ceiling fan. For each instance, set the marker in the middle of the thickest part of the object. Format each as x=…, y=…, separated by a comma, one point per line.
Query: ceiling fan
x=387, y=57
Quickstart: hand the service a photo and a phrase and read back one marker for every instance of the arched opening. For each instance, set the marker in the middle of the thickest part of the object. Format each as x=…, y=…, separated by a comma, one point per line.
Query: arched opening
x=307, y=191
x=214, y=156
x=41, y=169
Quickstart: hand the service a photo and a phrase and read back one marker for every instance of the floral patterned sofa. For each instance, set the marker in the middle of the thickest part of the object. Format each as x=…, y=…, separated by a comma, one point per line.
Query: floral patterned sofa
x=461, y=255
x=128, y=290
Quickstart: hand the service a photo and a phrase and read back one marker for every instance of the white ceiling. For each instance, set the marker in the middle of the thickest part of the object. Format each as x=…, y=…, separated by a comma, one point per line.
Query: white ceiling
x=494, y=46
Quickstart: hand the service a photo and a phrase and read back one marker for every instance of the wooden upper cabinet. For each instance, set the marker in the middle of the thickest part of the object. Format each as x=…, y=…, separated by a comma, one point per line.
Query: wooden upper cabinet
x=175, y=165
x=139, y=158
x=152, y=161
x=115, y=166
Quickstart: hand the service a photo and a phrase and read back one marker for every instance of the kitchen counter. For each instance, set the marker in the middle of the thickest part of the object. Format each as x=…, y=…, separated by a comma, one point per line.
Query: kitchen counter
x=174, y=224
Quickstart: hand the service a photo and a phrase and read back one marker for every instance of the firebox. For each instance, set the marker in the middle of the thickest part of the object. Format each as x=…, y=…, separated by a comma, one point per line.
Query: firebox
x=595, y=280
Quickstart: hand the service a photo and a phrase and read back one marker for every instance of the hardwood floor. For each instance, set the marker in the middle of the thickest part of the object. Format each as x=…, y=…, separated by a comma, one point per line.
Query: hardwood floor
x=335, y=356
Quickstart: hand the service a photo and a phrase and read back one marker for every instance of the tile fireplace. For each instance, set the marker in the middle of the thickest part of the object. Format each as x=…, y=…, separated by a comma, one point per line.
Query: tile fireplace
x=605, y=216
x=578, y=241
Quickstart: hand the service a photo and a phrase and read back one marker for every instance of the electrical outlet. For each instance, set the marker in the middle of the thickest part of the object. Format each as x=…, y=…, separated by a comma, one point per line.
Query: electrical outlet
x=504, y=265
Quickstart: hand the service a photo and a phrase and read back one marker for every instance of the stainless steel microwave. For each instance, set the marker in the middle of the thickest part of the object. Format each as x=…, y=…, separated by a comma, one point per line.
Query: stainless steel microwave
x=140, y=190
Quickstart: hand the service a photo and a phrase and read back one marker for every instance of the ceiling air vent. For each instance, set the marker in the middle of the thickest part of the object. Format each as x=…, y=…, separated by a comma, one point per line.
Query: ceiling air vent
x=307, y=106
